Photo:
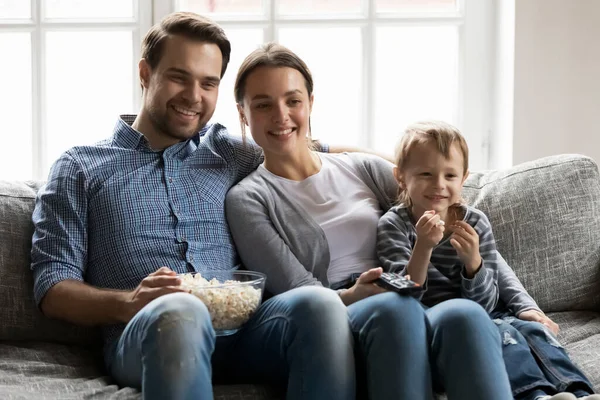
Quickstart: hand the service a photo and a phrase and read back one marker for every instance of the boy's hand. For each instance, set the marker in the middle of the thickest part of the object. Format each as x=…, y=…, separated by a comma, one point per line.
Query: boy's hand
x=466, y=242
x=538, y=316
x=430, y=229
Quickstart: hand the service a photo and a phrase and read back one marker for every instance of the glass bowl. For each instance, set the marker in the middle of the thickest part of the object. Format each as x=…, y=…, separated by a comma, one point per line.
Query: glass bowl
x=230, y=296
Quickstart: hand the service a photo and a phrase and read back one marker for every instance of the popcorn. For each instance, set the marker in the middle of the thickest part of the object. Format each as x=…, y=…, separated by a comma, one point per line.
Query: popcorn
x=230, y=303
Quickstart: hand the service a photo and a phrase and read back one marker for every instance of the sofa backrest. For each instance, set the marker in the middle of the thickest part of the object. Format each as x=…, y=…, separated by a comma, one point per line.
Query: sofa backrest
x=20, y=319
x=545, y=215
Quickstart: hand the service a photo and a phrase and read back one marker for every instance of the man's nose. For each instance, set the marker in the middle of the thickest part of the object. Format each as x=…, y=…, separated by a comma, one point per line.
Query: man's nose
x=193, y=93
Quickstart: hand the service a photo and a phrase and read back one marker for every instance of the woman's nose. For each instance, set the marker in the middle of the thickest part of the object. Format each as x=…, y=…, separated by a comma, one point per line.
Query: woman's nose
x=280, y=114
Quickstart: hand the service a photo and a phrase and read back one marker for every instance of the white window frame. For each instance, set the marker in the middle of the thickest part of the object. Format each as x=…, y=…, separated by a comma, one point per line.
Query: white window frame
x=474, y=20
x=38, y=28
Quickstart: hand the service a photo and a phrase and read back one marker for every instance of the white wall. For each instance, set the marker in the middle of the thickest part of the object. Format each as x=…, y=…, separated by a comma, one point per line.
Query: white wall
x=556, y=78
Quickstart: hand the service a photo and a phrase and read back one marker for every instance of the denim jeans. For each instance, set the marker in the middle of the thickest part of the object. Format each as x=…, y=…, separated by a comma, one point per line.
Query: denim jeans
x=299, y=339
x=406, y=350
x=536, y=362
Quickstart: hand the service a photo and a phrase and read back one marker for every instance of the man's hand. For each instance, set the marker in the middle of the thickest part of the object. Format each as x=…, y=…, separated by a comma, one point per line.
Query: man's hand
x=161, y=282
x=466, y=242
x=538, y=316
x=363, y=287
x=430, y=230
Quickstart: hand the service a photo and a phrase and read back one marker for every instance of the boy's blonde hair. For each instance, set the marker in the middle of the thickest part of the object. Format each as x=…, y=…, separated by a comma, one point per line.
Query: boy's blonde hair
x=441, y=133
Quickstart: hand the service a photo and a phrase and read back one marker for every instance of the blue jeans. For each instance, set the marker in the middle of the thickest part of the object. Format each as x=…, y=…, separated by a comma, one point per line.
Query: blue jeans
x=406, y=350
x=536, y=362
x=299, y=339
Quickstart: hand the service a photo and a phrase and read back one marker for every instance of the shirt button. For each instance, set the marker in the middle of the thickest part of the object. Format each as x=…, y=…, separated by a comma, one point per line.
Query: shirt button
x=170, y=180
x=191, y=258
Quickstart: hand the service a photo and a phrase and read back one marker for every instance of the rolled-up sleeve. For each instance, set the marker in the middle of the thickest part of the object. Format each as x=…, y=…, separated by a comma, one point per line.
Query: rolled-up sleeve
x=59, y=244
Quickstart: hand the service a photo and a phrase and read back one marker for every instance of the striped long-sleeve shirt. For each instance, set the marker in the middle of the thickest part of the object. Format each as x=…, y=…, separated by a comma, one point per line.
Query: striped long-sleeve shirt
x=446, y=278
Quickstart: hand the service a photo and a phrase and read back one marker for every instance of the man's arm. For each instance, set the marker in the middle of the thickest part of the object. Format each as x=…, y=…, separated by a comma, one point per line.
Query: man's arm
x=82, y=304
x=59, y=257
x=356, y=149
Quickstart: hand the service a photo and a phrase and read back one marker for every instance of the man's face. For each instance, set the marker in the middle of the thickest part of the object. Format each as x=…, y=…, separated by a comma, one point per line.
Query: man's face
x=180, y=93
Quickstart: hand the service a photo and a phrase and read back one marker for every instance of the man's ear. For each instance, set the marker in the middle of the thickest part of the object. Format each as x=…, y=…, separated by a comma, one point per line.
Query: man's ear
x=145, y=72
x=242, y=115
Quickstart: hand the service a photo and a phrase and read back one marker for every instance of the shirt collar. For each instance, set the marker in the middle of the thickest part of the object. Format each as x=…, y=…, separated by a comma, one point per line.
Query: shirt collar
x=127, y=137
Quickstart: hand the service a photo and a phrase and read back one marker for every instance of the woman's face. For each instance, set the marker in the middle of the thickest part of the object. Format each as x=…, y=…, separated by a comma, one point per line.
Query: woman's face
x=277, y=108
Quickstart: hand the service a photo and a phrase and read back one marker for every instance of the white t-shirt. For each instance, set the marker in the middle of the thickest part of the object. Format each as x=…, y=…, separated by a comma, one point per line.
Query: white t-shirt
x=345, y=208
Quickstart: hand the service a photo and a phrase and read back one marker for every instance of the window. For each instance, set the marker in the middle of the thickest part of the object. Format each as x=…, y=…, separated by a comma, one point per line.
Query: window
x=378, y=65
x=73, y=70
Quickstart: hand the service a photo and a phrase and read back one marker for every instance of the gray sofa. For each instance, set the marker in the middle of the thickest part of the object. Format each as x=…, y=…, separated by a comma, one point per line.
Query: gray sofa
x=546, y=218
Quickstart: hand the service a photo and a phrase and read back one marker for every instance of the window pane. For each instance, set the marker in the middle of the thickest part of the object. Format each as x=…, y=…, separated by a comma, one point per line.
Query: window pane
x=316, y=7
x=243, y=42
x=416, y=77
x=87, y=89
x=67, y=9
x=222, y=6
x=337, y=79
x=15, y=9
x=15, y=106
x=415, y=5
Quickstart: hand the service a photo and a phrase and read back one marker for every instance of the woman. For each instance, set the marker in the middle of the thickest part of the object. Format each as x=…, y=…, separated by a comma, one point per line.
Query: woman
x=305, y=218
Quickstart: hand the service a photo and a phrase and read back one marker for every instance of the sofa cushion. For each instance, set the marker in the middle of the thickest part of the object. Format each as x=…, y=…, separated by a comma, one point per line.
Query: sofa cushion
x=580, y=334
x=52, y=371
x=546, y=219
x=21, y=319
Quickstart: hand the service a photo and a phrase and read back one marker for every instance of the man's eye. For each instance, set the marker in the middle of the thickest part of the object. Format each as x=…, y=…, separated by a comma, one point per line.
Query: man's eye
x=261, y=106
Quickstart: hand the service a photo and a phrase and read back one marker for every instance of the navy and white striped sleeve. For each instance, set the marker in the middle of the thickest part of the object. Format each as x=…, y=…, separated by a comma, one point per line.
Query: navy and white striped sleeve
x=483, y=287
x=393, y=245
x=59, y=244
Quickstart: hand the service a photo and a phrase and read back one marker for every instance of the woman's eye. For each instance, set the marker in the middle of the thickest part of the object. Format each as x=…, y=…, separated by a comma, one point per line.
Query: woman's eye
x=262, y=106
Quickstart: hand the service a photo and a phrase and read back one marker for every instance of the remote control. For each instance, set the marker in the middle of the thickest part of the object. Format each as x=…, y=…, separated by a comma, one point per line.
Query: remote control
x=398, y=283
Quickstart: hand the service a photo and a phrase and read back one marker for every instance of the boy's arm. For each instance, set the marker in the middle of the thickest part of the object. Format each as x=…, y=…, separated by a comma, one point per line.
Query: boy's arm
x=394, y=249
x=512, y=292
x=483, y=286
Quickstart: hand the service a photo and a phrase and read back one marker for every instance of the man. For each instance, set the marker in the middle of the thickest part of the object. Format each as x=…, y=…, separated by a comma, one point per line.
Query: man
x=118, y=221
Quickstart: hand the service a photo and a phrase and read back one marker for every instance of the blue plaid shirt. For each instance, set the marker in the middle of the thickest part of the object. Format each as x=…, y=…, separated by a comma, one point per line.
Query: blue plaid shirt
x=115, y=212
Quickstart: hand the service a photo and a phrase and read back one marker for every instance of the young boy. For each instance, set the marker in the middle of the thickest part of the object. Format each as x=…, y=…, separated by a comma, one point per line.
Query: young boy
x=449, y=249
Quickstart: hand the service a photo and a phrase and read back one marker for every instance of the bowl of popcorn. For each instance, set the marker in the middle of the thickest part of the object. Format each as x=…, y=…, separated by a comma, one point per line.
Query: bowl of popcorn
x=230, y=296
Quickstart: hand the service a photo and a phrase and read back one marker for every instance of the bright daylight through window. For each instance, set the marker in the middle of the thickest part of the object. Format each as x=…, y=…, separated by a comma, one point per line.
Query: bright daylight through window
x=377, y=64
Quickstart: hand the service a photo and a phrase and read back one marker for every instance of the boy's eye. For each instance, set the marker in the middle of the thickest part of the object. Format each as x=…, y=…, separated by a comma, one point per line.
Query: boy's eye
x=450, y=176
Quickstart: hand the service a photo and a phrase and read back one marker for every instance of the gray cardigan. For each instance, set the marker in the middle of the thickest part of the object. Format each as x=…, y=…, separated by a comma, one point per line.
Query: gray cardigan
x=274, y=235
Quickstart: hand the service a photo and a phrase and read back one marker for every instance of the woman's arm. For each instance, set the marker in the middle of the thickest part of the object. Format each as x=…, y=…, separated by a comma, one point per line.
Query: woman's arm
x=260, y=245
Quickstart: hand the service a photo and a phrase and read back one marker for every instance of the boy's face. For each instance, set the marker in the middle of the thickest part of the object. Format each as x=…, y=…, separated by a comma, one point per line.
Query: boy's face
x=433, y=181
x=180, y=93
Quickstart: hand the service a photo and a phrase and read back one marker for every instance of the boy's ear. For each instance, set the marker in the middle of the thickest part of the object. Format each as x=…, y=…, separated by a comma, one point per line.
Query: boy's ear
x=465, y=177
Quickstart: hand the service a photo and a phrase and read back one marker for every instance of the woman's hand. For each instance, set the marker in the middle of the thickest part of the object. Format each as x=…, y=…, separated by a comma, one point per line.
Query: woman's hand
x=466, y=242
x=430, y=230
x=538, y=316
x=363, y=287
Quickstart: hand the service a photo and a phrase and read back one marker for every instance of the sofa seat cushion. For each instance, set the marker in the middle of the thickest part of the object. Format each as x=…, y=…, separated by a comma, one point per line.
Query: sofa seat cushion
x=580, y=334
x=35, y=370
